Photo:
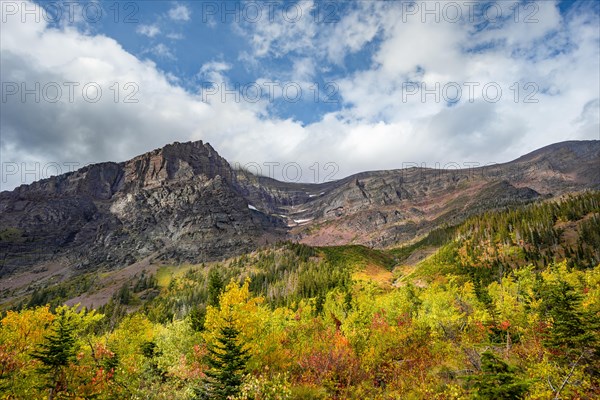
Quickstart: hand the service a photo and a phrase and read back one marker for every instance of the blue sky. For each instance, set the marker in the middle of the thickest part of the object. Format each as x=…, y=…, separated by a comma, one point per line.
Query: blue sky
x=181, y=38
x=360, y=85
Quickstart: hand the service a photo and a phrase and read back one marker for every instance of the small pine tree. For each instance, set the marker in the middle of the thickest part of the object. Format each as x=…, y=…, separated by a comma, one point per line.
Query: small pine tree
x=567, y=328
x=573, y=335
x=498, y=380
x=124, y=295
x=215, y=287
x=197, y=316
x=227, y=361
x=319, y=302
x=56, y=353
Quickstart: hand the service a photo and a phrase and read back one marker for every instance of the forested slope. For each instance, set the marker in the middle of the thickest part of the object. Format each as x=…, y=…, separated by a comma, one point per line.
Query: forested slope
x=508, y=306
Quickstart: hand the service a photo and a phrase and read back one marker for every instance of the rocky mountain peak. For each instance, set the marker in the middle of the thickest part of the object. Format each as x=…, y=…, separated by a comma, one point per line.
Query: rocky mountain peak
x=174, y=162
x=171, y=163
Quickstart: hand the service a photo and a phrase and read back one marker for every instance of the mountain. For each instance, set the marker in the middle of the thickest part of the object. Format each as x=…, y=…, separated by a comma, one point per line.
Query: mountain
x=185, y=203
x=175, y=202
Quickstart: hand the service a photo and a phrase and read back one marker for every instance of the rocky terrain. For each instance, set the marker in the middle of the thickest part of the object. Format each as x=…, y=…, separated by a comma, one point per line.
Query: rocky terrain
x=383, y=208
x=184, y=203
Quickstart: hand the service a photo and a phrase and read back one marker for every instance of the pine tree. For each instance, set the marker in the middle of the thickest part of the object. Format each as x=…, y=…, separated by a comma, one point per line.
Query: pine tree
x=573, y=335
x=498, y=380
x=215, y=287
x=227, y=361
x=57, y=353
x=197, y=316
x=319, y=302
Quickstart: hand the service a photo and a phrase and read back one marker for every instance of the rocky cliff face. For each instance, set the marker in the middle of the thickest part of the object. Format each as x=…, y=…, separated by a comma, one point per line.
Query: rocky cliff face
x=185, y=203
x=176, y=203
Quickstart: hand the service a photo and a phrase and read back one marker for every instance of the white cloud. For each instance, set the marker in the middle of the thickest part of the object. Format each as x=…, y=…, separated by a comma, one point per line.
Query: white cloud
x=180, y=12
x=354, y=30
x=280, y=33
x=175, y=36
x=213, y=71
x=163, y=51
x=313, y=29
x=148, y=30
x=303, y=70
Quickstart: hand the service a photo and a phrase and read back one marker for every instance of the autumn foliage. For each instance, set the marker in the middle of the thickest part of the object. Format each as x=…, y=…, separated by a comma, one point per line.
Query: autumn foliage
x=450, y=330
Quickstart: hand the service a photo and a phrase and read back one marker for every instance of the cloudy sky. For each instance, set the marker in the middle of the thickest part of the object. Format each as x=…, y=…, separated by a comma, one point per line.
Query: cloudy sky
x=336, y=87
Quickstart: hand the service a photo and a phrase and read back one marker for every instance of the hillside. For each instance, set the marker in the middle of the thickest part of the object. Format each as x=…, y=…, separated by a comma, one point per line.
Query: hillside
x=515, y=290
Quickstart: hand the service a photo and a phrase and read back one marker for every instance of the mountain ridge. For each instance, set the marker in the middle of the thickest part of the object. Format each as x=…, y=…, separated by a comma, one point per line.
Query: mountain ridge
x=184, y=202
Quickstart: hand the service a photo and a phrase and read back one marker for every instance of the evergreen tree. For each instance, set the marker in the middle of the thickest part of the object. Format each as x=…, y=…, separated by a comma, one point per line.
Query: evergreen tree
x=498, y=380
x=215, y=287
x=57, y=352
x=227, y=361
x=574, y=334
x=151, y=352
x=124, y=295
x=197, y=316
x=319, y=302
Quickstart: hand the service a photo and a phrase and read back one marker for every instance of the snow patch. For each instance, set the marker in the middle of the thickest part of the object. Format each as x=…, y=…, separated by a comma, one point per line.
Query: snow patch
x=301, y=221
